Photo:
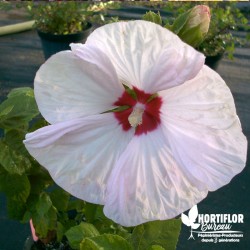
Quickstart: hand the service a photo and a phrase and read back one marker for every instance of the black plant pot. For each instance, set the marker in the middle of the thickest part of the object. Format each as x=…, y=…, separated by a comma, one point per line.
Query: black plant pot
x=213, y=61
x=52, y=44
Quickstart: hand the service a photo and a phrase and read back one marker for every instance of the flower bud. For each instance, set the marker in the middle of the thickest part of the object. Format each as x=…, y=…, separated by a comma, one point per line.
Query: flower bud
x=200, y=16
x=193, y=25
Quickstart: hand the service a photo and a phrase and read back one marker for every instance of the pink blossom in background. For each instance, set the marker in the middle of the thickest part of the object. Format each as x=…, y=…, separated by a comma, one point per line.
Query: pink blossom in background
x=138, y=123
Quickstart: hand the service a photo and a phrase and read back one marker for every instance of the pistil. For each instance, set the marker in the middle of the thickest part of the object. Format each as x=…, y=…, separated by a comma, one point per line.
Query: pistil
x=135, y=118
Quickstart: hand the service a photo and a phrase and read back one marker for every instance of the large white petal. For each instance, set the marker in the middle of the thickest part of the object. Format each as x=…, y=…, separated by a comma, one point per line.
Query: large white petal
x=203, y=129
x=147, y=55
x=205, y=100
x=68, y=87
x=211, y=156
x=95, y=56
x=176, y=65
x=147, y=184
x=80, y=154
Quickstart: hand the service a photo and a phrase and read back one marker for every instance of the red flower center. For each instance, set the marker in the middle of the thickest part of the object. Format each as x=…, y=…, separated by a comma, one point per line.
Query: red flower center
x=143, y=111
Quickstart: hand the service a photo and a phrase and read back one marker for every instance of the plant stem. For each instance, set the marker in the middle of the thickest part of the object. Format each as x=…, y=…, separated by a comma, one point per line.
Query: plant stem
x=15, y=28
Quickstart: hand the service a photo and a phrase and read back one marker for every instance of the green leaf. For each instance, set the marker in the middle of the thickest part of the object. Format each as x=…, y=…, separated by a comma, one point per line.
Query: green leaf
x=23, y=91
x=90, y=210
x=14, y=139
x=18, y=109
x=105, y=242
x=152, y=17
x=102, y=223
x=69, y=223
x=39, y=180
x=2, y=171
x=6, y=111
x=46, y=222
x=76, y=204
x=16, y=187
x=13, y=155
x=156, y=247
x=123, y=232
x=192, y=36
x=76, y=234
x=37, y=123
x=26, y=217
x=15, y=209
x=59, y=231
x=162, y=233
x=43, y=204
x=60, y=199
x=180, y=22
x=13, y=161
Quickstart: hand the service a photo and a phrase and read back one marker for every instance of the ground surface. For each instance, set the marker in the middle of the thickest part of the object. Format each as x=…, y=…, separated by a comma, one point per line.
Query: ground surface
x=21, y=56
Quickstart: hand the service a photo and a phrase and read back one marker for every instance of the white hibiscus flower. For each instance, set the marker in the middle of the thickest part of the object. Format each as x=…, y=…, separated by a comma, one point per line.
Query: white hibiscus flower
x=173, y=136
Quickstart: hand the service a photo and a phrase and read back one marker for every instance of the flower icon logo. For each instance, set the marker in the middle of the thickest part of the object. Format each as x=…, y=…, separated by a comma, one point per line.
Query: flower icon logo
x=190, y=219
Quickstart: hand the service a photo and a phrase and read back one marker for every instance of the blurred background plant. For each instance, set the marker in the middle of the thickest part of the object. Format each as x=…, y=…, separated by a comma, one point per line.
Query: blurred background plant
x=59, y=18
x=68, y=17
x=59, y=23
x=64, y=17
